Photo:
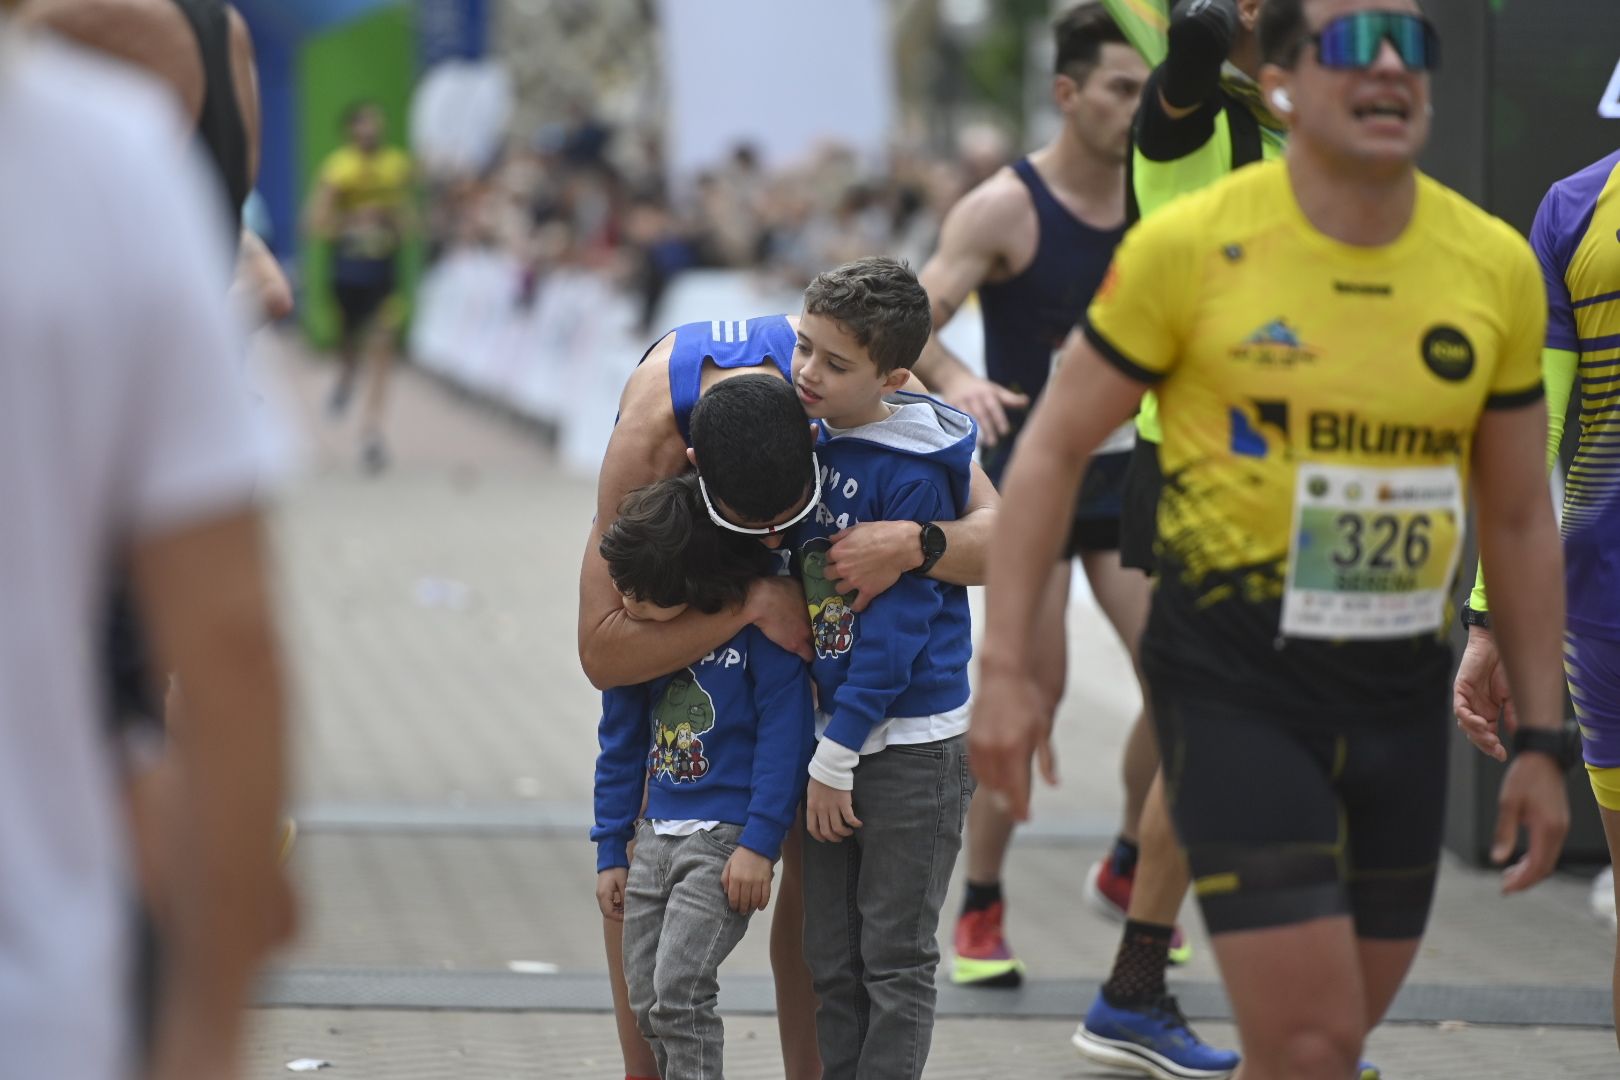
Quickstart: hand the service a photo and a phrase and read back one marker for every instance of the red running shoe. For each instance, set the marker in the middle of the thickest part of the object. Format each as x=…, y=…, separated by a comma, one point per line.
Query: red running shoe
x=983, y=957
x=1109, y=895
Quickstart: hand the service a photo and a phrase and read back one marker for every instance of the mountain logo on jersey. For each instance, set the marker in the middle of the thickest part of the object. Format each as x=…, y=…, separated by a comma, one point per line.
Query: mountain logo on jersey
x=832, y=620
x=1275, y=344
x=1448, y=353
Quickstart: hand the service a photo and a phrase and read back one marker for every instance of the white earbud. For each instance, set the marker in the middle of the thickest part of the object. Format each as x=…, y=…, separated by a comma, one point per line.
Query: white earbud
x=1281, y=101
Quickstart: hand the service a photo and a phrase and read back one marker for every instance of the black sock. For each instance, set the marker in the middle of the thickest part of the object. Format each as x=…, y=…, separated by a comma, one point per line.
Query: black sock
x=1138, y=977
x=980, y=897
x=1124, y=856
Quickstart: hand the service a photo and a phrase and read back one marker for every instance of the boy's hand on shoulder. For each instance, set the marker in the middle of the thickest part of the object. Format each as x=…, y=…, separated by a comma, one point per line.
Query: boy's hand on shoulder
x=777, y=606
x=747, y=880
x=829, y=813
x=868, y=558
x=610, y=892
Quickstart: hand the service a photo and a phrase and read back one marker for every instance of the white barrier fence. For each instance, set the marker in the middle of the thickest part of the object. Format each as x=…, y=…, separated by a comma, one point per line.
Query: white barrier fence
x=563, y=359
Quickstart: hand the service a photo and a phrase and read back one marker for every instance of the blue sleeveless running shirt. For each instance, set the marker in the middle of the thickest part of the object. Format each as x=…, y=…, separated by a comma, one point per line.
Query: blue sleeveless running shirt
x=1027, y=317
x=750, y=343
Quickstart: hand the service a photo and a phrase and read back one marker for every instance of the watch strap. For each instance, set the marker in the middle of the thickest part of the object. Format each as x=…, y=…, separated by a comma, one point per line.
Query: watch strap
x=1563, y=745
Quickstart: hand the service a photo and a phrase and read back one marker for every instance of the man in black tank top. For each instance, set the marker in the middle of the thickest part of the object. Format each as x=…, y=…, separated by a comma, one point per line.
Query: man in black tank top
x=1035, y=241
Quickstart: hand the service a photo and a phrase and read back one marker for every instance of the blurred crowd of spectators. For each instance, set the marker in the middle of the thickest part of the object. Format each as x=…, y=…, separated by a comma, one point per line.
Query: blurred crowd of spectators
x=582, y=194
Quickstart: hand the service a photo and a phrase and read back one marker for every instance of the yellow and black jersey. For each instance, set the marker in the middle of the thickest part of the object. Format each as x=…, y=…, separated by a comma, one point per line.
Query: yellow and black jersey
x=1318, y=403
x=1172, y=156
x=371, y=190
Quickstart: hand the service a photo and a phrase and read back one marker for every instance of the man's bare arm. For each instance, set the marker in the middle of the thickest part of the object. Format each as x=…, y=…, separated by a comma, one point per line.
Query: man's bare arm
x=614, y=649
x=203, y=595
x=260, y=284
x=245, y=80
x=972, y=245
x=1085, y=399
x=1517, y=529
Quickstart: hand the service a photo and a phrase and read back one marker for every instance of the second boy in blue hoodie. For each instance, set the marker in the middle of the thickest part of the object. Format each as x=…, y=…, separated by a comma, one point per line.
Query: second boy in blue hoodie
x=889, y=785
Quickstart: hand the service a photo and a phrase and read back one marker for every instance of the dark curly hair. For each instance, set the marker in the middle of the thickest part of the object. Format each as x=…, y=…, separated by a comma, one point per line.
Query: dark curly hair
x=882, y=305
x=663, y=549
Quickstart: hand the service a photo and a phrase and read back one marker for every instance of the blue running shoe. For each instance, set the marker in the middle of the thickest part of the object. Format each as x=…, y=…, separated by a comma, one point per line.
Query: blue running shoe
x=1154, y=1039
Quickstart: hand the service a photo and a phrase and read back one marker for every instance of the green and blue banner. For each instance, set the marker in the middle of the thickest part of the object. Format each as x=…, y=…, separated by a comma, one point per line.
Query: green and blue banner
x=318, y=57
x=1145, y=23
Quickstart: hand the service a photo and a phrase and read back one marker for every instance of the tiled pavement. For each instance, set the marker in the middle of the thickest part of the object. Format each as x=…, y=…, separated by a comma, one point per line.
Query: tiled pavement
x=444, y=782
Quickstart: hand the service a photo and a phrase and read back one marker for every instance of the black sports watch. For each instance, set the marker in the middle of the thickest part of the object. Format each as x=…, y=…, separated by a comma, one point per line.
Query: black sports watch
x=1562, y=745
x=933, y=546
x=1481, y=619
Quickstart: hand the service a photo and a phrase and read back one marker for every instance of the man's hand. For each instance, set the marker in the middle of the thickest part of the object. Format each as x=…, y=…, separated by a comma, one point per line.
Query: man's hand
x=1481, y=693
x=829, y=813
x=610, y=892
x=1532, y=796
x=867, y=559
x=777, y=606
x=986, y=402
x=747, y=881
x=1012, y=724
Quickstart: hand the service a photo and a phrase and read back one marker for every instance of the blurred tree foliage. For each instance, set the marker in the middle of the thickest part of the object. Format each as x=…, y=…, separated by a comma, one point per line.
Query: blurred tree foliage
x=997, y=61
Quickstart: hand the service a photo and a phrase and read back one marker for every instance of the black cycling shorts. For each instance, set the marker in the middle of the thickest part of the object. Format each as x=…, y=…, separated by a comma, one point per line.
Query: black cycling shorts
x=1288, y=814
x=361, y=287
x=1097, y=507
x=1139, y=508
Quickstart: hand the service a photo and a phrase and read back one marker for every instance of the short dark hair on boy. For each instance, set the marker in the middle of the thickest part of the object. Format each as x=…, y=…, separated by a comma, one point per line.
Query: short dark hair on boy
x=1282, y=30
x=753, y=445
x=1080, y=33
x=664, y=549
x=881, y=303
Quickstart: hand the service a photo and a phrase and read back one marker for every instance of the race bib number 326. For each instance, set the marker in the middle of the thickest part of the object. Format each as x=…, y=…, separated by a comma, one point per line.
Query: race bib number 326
x=1373, y=551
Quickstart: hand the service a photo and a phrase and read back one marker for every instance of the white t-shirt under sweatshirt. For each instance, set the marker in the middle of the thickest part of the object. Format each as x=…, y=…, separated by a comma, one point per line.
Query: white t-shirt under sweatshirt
x=833, y=764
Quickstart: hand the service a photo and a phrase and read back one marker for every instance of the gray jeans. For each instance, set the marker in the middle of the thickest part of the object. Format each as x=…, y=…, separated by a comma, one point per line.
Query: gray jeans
x=872, y=908
x=678, y=927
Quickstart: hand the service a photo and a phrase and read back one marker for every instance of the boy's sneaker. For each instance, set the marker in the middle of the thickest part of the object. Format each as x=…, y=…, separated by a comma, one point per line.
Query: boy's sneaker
x=1155, y=1040
x=1109, y=895
x=983, y=957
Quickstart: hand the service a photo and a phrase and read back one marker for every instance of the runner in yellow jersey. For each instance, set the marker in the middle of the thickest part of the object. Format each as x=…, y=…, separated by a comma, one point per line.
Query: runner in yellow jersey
x=1338, y=342
x=362, y=207
x=1201, y=117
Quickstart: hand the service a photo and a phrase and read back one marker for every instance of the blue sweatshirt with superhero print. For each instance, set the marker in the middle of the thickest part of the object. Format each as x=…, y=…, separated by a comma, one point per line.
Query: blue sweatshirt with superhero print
x=907, y=654
x=727, y=739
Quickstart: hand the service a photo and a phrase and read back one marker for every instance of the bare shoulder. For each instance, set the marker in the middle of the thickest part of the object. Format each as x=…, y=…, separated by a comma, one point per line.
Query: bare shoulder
x=988, y=214
x=646, y=444
x=150, y=34
x=646, y=410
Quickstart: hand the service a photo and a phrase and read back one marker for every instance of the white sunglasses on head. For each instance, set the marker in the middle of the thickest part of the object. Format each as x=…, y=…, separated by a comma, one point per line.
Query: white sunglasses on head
x=769, y=530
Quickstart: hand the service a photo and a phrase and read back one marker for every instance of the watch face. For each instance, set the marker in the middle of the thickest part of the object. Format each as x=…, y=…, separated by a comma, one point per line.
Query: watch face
x=933, y=541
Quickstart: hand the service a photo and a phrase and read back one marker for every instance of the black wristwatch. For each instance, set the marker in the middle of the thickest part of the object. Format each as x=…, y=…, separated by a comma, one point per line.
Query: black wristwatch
x=1562, y=745
x=1481, y=619
x=933, y=546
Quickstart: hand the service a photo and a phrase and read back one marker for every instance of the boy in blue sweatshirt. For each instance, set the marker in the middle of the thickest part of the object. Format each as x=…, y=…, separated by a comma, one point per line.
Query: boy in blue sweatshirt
x=889, y=782
x=721, y=748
